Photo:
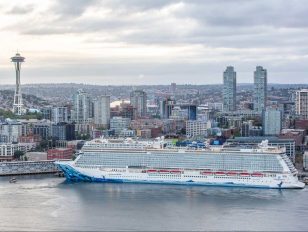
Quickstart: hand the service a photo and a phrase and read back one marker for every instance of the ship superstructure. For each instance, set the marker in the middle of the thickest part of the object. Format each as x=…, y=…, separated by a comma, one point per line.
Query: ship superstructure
x=129, y=160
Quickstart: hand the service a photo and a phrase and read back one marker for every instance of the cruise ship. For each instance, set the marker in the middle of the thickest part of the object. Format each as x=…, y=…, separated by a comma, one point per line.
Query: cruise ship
x=133, y=161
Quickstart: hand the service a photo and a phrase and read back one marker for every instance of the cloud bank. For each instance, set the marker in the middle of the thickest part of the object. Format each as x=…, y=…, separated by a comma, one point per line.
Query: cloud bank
x=162, y=41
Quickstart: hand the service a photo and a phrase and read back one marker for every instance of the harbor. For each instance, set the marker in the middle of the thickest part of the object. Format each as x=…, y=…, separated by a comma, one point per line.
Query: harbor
x=45, y=202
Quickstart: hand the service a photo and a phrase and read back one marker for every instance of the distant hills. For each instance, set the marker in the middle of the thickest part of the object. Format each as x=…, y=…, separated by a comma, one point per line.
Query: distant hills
x=37, y=95
x=29, y=100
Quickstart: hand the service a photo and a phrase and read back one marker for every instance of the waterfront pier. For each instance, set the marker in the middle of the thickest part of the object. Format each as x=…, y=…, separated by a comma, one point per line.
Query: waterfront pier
x=27, y=168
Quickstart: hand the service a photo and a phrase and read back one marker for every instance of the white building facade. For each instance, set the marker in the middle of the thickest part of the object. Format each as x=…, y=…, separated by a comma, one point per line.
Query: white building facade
x=301, y=103
x=197, y=128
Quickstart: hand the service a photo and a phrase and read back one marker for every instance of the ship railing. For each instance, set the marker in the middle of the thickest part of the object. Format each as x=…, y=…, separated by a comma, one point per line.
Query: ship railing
x=289, y=163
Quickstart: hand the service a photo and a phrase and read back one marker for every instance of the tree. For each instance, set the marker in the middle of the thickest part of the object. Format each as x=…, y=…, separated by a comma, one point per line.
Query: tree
x=18, y=154
x=183, y=131
x=44, y=144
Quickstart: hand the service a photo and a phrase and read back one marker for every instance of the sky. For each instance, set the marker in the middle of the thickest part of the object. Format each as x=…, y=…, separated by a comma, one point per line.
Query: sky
x=132, y=42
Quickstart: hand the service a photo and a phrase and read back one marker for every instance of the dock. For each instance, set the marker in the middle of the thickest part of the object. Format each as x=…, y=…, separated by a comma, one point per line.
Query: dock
x=28, y=168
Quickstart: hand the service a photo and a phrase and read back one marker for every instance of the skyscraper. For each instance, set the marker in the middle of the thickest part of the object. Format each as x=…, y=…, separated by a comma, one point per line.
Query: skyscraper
x=102, y=111
x=138, y=99
x=229, y=89
x=301, y=103
x=165, y=107
x=18, y=105
x=82, y=111
x=260, y=89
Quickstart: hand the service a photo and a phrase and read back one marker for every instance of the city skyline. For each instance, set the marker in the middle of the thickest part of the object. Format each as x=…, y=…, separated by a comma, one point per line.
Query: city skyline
x=146, y=42
x=153, y=115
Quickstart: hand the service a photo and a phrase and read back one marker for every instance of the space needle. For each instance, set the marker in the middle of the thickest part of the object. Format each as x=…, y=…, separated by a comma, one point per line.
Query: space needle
x=17, y=106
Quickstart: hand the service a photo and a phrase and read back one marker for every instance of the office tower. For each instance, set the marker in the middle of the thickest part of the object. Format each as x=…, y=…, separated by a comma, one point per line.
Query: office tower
x=138, y=99
x=272, y=122
x=191, y=111
x=63, y=131
x=229, y=89
x=59, y=114
x=82, y=111
x=165, y=107
x=260, y=89
x=102, y=111
x=18, y=105
x=301, y=103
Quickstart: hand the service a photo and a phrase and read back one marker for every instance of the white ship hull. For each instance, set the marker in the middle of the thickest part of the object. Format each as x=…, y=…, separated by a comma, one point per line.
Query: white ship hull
x=184, y=177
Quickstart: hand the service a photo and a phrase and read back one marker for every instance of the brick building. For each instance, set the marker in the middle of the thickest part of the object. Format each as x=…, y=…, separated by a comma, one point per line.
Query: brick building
x=60, y=153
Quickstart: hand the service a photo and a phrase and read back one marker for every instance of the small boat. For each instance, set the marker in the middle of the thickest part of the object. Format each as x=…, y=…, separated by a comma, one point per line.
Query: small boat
x=13, y=180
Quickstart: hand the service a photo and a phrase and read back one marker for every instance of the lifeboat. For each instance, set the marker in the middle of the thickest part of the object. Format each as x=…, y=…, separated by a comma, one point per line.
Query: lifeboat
x=151, y=171
x=175, y=171
x=220, y=173
x=232, y=173
x=257, y=174
x=244, y=174
x=207, y=173
x=164, y=171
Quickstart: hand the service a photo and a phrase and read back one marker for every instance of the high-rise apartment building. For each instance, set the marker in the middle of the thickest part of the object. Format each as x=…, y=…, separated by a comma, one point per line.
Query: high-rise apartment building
x=43, y=129
x=117, y=124
x=301, y=103
x=59, y=114
x=102, y=111
x=10, y=131
x=138, y=99
x=272, y=122
x=229, y=89
x=46, y=112
x=260, y=89
x=82, y=111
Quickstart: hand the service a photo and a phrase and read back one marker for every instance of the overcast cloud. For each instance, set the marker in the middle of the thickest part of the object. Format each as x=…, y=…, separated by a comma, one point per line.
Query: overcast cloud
x=153, y=41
